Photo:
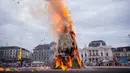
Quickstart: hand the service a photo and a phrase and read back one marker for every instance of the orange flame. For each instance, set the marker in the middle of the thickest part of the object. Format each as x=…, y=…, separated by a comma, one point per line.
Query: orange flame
x=60, y=16
x=62, y=23
x=1, y=69
x=70, y=62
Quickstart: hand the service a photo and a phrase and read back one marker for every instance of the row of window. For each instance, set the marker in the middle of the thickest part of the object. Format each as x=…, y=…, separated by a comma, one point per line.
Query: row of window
x=118, y=54
x=43, y=54
x=93, y=54
x=10, y=56
x=10, y=51
x=40, y=51
x=13, y=56
x=41, y=58
x=13, y=51
x=83, y=56
x=90, y=54
x=93, y=51
x=93, y=59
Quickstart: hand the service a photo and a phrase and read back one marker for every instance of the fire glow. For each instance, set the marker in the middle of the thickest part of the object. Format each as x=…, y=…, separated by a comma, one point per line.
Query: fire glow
x=1, y=69
x=67, y=50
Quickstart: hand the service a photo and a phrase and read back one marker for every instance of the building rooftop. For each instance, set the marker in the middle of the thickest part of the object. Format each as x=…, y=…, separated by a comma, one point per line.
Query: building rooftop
x=13, y=47
x=120, y=49
x=42, y=46
x=97, y=43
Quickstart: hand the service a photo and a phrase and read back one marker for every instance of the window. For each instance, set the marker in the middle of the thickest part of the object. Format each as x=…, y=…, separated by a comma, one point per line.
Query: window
x=10, y=50
x=13, y=53
x=92, y=59
x=89, y=59
x=85, y=55
x=90, y=54
x=93, y=54
x=97, y=52
x=101, y=54
x=106, y=54
x=96, y=59
x=82, y=55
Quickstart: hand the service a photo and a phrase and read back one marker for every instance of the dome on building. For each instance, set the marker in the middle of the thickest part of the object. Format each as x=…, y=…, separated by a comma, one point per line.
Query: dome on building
x=97, y=43
x=43, y=46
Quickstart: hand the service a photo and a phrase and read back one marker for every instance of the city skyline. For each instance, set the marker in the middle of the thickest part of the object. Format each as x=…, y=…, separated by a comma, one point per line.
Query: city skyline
x=27, y=23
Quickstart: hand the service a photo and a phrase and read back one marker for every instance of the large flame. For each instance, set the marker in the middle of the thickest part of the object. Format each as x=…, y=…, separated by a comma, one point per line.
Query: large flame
x=60, y=16
x=62, y=24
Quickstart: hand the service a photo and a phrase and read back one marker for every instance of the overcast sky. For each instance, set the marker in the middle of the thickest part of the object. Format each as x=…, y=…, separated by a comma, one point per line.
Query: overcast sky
x=26, y=23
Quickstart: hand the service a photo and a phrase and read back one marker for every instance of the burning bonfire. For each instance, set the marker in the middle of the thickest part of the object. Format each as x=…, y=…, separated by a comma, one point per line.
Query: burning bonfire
x=66, y=55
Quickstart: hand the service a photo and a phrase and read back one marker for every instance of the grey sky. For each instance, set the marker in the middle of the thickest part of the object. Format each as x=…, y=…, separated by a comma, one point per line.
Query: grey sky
x=107, y=20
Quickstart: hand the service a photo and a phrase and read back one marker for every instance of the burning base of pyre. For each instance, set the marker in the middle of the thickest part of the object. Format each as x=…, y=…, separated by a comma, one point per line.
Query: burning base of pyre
x=67, y=56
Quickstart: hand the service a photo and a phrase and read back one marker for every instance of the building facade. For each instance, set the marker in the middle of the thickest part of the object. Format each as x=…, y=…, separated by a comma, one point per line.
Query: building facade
x=44, y=53
x=97, y=51
x=121, y=52
x=12, y=52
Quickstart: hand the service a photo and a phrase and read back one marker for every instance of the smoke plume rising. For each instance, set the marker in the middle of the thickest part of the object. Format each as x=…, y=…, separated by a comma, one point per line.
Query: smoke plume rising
x=60, y=16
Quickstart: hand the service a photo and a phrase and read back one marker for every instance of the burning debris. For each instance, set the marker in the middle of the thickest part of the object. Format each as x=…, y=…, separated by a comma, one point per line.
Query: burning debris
x=1, y=69
x=67, y=56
